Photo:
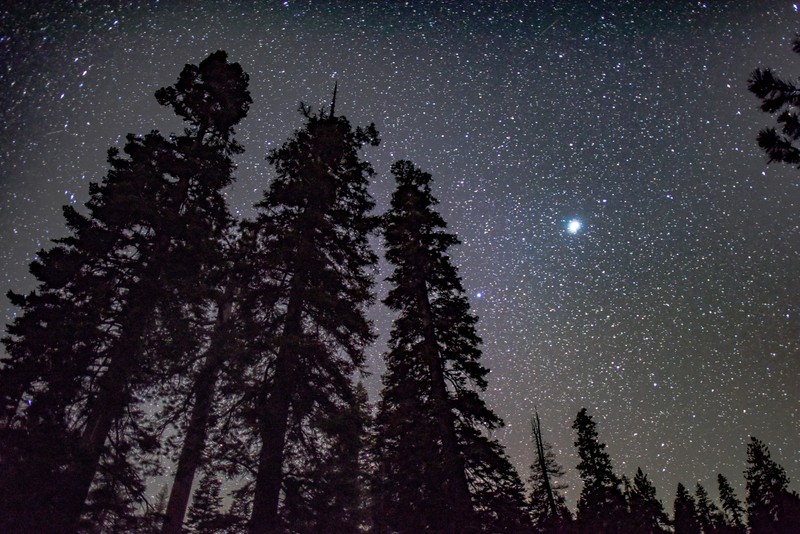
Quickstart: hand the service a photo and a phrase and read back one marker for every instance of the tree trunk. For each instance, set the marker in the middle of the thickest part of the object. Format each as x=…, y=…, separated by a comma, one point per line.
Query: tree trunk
x=540, y=455
x=107, y=407
x=461, y=513
x=274, y=411
x=194, y=443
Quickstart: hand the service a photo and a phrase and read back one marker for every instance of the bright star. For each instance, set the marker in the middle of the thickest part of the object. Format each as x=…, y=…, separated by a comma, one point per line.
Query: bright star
x=573, y=226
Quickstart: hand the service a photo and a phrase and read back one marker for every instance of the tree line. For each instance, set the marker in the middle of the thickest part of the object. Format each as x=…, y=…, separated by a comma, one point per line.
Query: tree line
x=161, y=327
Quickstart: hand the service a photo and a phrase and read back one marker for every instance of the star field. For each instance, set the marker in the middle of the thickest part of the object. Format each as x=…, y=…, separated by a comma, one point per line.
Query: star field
x=670, y=308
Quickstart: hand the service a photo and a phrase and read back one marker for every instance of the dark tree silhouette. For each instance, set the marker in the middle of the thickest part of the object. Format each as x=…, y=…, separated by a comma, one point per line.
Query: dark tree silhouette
x=781, y=97
x=771, y=507
x=548, y=507
x=312, y=266
x=152, y=519
x=325, y=490
x=132, y=269
x=708, y=514
x=439, y=470
x=111, y=505
x=205, y=515
x=222, y=345
x=647, y=512
x=601, y=506
x=685, y=512
x=731, y=507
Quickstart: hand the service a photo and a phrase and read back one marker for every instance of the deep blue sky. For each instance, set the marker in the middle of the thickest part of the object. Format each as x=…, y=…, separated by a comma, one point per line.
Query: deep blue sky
x=672, y=314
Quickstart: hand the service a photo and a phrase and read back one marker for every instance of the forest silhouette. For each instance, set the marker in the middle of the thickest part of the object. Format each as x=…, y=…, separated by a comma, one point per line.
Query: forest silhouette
x=166, y=338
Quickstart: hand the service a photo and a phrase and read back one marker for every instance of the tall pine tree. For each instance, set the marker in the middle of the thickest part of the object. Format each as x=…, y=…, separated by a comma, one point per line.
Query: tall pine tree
x=312, y=267
x=325, y=486
x=201, y=389
x=647, y=512
x=771, y=507
x=601, y=506
x=205, y=515
x=731, y=507
x=708, y=514
x=132, y=269
x=685, y=512
x=438, y=470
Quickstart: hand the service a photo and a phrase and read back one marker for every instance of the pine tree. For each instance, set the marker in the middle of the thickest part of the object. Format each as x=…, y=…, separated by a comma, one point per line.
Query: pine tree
x=601, y=506
x=338, y=498
x=312, y=270
x=685, y=512
x=771, y=507
x=647, y=512
x=113, y=501
x=128, y=275
x=325, y=486
x=205, y=515
x=153, y=517
x=438, y=470
x=731, y=506
x=781, y=97
x=548, y=506
x=239, y=512
x=708, y=514
x=202, y=391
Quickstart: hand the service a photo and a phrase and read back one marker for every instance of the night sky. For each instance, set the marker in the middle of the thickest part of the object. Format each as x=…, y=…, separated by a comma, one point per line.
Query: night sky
x=625, y=245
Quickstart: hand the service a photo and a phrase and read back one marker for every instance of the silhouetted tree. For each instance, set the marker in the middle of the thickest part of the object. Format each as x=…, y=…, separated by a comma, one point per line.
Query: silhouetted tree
x=153, y=517
x=239, y=513
x=771, y=507
x=202, y=389
x=708, y=514
x=601, y=506
x=312, y=266
x=132, y=269
x=341, y=482
x=205, y=515
x=112, y=503
x=685, y=512
x=439, y=470
x=548, y=507
x=647, y=512
x=781, y=97
x=731, y=507
x=325, y=487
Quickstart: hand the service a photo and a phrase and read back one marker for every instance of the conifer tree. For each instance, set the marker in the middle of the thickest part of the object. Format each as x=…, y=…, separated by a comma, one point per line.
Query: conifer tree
x=708, y=514
x=647, y=512
x=340, y=489
x=771, y=507
x=731, y=507
x=132, y=270
x=205, y=515
x=312, y=266
x=238, y=515
x=781, y=97
x=685, y=512
x=601, y=506
x=438, y=470
x=153, y=517
x=201, y=392
x=548, y=506
x=112, y=503
x=325, y=487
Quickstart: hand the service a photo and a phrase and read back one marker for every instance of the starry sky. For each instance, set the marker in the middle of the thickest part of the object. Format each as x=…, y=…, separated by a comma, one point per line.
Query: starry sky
x=625, y=245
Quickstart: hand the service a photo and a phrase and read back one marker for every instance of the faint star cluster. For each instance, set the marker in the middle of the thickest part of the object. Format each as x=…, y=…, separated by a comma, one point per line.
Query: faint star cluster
x=624, y=243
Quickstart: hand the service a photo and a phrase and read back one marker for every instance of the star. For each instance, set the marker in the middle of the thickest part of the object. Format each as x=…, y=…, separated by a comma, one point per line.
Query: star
x=574, y=225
